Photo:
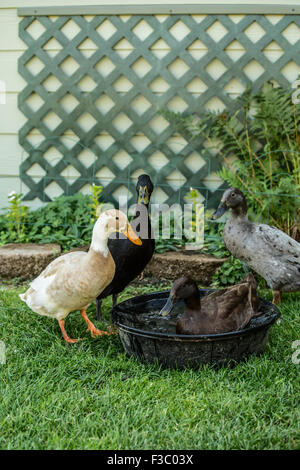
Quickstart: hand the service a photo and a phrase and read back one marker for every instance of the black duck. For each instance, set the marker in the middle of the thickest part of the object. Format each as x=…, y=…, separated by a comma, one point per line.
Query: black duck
x=131, y=259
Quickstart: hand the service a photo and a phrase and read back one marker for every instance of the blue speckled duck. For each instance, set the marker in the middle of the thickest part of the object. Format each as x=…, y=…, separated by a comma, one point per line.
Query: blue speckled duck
x=267, y=250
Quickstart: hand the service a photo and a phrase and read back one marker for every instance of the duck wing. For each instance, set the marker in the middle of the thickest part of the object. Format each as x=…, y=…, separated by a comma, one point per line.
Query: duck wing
x=277, y=242
x=130, y=259
x=232, y=307
x=56, y=266
x=277, y=259
x=55, y=289
x=224, y=302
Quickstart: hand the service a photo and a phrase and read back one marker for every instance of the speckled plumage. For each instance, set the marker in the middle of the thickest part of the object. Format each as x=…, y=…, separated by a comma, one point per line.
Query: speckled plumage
x=267, y=250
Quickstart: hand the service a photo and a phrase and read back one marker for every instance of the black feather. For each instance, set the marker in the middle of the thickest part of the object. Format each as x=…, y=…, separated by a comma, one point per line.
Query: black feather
x=130, y=259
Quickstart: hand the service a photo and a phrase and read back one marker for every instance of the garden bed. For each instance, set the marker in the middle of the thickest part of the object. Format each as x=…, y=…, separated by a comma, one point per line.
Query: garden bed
x=173, y=264
x=26, y=260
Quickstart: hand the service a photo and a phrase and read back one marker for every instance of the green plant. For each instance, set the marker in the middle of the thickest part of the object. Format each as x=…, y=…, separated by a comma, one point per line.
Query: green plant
x=66, y=220
x=259, y=147
x=172, y=244
x=166, y=236
x=213, y=241
x=231, y=272
x=95, y=205
x=16, y=217
x=193, y=197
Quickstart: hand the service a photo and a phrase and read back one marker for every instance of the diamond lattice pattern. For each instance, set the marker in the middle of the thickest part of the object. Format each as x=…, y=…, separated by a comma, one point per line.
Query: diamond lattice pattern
x=95, y=86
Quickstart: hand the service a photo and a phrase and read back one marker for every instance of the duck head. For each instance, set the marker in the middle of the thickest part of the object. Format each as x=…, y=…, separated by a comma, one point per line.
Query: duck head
x=111, y=221
x=144, y=188
x=234, y=199
x=183, y=288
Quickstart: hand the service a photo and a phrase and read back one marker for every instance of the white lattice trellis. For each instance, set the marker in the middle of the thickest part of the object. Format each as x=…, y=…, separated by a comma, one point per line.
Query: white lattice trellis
x=95, y=86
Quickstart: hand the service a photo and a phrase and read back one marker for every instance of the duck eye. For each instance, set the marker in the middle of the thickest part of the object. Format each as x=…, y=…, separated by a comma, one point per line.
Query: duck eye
x=232, y=194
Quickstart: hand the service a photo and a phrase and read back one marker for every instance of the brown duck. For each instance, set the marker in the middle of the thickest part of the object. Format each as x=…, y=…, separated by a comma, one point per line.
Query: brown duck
x=225, y=310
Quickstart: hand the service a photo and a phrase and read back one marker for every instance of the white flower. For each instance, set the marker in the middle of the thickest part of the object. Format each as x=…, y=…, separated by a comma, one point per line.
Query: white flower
x=12, y=195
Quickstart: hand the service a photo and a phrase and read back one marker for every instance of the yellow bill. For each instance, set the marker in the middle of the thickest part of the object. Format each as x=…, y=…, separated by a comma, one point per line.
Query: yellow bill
x=131, y=235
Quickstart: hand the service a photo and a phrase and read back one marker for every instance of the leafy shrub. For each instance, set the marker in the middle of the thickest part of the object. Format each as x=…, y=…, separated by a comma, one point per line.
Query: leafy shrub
x=162, y=245
x=263, y=137
x=16, y=216
x=231, y=272
x=67, y=221
x=94, y=203
x=171, y=243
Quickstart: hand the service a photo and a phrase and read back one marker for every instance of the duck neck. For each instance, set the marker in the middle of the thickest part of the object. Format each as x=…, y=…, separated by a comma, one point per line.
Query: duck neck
x=141, y=221
x=100, y=238
x=240, y=212
x=193, y=302
x=141, y=208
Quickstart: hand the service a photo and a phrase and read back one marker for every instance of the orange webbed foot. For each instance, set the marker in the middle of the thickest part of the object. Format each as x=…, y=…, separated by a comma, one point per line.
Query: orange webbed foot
x=71, y=340
x=112, y=330
x=95, y=332
x=91, y=327
x=65, y=334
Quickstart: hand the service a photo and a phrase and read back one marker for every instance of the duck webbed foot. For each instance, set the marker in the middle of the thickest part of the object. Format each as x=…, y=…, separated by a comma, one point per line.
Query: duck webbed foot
x=65, y=334
x=91, y=327
x=276, y=297
x=112, y=329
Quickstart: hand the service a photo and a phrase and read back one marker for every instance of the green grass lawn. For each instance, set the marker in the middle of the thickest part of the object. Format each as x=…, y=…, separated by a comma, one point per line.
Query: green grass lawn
x=92, y=396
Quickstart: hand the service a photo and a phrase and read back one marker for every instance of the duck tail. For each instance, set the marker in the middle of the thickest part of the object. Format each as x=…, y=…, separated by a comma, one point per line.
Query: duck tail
x=23, y=297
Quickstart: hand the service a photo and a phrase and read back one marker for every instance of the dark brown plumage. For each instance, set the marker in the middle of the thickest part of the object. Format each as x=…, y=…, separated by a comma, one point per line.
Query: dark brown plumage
x=225, y=310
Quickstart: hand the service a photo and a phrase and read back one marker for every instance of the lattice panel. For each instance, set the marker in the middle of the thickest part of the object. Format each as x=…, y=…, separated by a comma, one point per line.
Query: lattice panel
x=95, y=85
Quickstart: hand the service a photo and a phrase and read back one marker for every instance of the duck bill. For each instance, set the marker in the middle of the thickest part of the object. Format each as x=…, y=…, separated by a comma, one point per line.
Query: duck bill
x=131, y=235
x=168, y=307
x=143, y=197
x=220, y=211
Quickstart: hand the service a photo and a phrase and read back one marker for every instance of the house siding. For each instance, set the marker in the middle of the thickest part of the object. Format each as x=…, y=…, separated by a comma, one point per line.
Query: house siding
x=12, y=47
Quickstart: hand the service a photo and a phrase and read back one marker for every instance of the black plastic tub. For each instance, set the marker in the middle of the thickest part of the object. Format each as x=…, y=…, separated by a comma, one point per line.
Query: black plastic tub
x=153, y=338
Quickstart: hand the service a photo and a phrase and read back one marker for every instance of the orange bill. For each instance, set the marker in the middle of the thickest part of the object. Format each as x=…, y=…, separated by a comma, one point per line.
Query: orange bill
x=131, y=235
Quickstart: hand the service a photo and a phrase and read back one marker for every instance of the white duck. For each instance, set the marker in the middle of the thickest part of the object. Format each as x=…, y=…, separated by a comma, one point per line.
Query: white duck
x=72, y=281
